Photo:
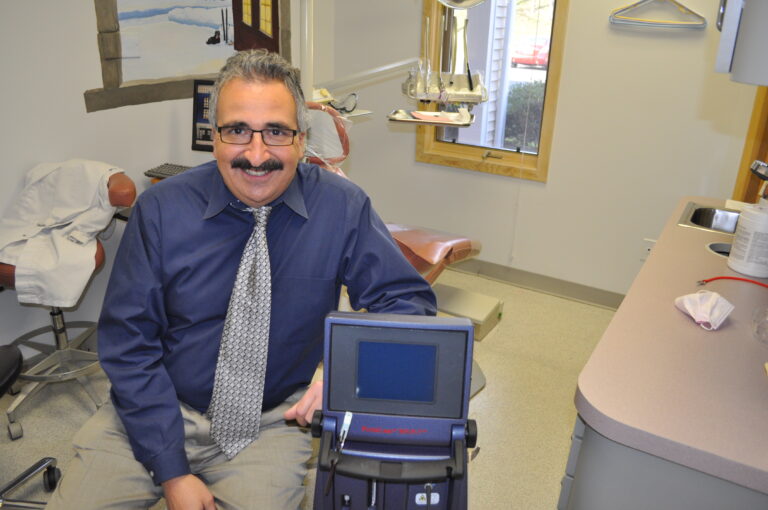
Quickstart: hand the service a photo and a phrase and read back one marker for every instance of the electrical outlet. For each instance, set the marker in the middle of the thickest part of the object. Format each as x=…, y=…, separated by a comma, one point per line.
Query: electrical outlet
x=648, y=245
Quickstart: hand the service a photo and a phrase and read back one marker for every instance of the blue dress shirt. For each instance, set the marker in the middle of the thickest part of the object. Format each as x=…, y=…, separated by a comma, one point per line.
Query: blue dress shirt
x=164, y=310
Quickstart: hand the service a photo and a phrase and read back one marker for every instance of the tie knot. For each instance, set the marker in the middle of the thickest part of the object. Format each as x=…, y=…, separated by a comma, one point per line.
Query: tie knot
x=261, y=214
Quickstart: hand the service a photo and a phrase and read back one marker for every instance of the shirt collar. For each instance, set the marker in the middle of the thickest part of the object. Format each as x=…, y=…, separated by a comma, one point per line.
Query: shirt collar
x=220, y=196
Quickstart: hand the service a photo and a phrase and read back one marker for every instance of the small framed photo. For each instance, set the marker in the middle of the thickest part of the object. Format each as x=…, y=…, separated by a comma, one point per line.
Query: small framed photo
x=202, y=131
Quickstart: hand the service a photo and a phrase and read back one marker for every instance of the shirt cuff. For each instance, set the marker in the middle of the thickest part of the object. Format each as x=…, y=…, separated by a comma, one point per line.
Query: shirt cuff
x=168, y=465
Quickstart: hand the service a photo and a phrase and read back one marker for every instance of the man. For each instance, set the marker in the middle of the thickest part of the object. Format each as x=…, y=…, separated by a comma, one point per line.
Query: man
x=167, y=310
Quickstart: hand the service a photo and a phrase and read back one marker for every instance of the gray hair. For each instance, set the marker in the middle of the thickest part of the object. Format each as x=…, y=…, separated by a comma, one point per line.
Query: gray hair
x=260, y=65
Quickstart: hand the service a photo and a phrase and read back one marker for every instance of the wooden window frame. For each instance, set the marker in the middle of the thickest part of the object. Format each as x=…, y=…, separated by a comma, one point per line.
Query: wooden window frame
x=532, y=167
x=747, y=187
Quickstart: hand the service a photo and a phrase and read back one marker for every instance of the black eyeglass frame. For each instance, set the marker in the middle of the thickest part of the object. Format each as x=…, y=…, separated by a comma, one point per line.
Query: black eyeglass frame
x=294, y=132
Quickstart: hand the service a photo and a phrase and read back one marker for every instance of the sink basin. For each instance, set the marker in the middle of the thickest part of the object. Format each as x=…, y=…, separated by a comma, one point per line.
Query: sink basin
x=709, y=218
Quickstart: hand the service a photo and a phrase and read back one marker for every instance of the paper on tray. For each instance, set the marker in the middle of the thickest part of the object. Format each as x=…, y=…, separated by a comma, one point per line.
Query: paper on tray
x=460, y=118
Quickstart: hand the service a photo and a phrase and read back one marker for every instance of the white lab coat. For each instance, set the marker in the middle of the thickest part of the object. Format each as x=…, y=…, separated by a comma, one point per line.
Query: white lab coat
x=49, y=231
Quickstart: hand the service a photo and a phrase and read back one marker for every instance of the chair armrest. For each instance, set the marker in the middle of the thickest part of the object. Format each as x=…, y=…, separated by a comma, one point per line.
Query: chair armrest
x=430, y=251
x=434, y=246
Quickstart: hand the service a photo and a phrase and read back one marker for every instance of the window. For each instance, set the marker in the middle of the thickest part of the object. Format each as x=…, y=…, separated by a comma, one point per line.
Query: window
x=265, y=18
x=517, y=46
x=248, y=13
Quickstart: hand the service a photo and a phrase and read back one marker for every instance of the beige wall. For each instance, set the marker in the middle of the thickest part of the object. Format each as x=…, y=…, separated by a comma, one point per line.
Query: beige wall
x=642, y=121
x=49, y=57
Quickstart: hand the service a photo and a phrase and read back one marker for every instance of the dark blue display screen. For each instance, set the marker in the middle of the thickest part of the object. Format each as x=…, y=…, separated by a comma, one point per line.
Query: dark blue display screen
x=395, y=371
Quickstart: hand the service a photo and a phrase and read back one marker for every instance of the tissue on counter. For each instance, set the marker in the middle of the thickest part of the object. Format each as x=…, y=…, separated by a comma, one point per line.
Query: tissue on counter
x=709, y=309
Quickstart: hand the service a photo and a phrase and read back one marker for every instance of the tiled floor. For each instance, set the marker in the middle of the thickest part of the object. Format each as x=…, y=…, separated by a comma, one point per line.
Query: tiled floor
x=525, y=413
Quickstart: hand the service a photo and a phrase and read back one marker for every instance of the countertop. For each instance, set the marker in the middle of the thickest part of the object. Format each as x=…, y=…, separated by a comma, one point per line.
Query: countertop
x=659, y=383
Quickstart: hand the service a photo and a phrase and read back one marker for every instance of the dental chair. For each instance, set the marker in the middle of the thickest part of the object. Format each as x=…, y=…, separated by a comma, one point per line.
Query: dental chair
x=429, y=251
x=64, y=360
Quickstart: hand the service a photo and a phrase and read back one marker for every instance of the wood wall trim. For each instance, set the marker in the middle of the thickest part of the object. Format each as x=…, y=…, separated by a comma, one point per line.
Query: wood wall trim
x=138, y=92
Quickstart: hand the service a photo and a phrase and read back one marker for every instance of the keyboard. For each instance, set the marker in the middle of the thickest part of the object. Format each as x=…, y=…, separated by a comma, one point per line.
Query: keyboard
x=165, y=170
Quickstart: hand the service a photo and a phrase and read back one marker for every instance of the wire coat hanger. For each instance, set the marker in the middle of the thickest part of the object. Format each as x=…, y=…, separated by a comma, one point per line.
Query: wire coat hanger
x=620, y=16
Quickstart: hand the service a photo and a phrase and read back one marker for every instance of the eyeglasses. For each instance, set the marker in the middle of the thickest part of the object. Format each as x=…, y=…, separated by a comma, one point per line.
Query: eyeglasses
x=241, y=135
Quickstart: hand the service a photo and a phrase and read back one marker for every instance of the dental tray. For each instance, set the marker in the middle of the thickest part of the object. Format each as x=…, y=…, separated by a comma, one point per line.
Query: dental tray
x=462, y=118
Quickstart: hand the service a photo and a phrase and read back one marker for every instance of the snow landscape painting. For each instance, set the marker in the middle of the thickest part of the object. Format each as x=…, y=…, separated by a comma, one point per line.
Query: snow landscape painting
x=172, y=38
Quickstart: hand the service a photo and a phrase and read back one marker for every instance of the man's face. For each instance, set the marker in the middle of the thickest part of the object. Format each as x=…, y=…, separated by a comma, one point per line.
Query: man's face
x=257, y=105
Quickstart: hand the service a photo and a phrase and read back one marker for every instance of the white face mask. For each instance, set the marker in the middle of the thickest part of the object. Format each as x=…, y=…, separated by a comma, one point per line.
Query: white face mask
x=708, y=309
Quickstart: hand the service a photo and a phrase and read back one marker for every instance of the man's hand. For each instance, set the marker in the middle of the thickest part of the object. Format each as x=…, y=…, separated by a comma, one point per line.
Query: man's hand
x=187, y=492
x=303, y=410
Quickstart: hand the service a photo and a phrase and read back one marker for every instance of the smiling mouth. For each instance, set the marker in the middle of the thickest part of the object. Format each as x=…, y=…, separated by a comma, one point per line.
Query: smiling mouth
x=256, y=173
x=261, y=170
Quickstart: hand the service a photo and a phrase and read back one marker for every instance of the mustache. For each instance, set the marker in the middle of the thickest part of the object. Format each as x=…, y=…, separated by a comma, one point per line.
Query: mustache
x=268, y=166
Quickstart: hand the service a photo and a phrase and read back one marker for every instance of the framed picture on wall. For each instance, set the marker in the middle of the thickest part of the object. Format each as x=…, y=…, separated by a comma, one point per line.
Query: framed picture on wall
x=202, y=131
x=174, y=44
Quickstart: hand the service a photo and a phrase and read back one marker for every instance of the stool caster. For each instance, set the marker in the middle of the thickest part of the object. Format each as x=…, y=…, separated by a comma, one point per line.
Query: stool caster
x=15, y=431
x=15, y=389
x=51, y=478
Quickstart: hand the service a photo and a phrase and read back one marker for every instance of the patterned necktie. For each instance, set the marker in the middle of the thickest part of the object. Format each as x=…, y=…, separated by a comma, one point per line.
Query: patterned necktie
x=238, y=389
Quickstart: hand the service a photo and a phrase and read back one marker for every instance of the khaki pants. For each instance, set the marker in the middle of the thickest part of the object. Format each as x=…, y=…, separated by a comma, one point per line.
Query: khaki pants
x=267, y=474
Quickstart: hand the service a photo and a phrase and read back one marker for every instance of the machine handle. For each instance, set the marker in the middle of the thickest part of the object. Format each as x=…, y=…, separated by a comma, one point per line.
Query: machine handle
x=317, y=423
x=392, y=471
x=471, y=433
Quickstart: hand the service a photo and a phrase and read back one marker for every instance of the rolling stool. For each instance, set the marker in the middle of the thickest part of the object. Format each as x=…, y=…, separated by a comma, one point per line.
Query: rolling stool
x=10, y=368
x=65, y=360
